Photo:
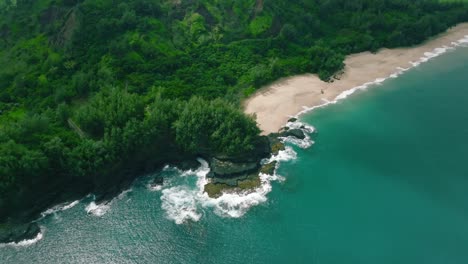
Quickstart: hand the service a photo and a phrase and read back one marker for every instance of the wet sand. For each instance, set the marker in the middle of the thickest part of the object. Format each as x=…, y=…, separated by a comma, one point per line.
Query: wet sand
x=274, y=104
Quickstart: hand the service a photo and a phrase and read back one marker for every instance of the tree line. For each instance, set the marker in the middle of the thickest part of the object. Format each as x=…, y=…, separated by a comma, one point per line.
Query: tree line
x=94, y=89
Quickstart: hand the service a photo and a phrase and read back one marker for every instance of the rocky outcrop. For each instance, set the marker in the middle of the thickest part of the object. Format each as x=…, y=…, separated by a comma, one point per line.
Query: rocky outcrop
x=269, y=168
x=18, y=232
x=226, y=167
x=189, y=164
x=297, y=133
x=229, y=169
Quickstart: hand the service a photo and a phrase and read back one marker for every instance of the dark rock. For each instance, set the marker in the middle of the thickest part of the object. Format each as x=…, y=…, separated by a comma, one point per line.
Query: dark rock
x=297, y=133
x=261, y=150
x=232, y=182
x=229, y=169
x=18, y=232
x=292, y=119
x=275, y=144
x=283, y=129
x=158, y=180
x=190, y=164
x=269, y=168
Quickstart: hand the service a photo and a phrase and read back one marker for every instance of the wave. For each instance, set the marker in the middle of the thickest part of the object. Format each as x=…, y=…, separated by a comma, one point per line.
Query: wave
x=180, y=204
x=97, y=209
x=102, y=208
x=59, y=208
x=399, y=70
x=154, y=187
x=185, y=203
x=26, y=242
x=461, y=42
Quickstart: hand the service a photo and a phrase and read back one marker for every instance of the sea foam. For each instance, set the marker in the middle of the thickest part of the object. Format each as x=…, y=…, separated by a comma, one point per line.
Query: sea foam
x=59, y=208
x=26, y=242
x=399, y=70
x=180, y=204
x=102, y=208
x=184, y=203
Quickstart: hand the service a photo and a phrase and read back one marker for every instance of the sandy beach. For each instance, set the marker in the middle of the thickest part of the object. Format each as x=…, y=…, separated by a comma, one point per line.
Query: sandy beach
x=276, y=103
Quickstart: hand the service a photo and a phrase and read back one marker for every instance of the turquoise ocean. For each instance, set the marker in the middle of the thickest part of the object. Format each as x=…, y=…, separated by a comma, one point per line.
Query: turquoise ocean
x=386, y=181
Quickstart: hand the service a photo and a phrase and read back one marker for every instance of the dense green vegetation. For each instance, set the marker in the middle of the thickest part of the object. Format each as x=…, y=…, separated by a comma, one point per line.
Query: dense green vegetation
x=92, y=91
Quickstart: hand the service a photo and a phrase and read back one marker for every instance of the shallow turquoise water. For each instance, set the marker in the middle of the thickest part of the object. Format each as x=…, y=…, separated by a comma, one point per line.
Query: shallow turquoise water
x=385, y=182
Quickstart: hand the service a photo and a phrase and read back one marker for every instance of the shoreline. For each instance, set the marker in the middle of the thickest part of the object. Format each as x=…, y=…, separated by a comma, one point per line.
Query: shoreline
x=290, y=97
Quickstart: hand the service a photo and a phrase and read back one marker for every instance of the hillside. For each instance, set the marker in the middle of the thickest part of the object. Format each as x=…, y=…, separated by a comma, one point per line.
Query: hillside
x=96, y=92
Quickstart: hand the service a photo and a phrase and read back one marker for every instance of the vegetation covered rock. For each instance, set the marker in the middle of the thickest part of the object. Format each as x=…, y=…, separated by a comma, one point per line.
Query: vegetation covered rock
x=216, y=188
x=226, y=169
x=96, y=92
x=269, y=168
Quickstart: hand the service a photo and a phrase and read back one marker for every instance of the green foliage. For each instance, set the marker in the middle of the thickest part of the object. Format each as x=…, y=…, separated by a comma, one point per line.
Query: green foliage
x=110, y=108
x=94, y=90
x=260, y=24
x=215, y=126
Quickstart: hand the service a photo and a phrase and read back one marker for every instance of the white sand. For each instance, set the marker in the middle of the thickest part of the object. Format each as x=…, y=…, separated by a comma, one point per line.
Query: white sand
x=274, y=104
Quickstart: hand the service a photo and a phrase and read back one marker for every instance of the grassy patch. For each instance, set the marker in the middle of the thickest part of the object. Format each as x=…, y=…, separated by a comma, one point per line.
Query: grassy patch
x=260, y=25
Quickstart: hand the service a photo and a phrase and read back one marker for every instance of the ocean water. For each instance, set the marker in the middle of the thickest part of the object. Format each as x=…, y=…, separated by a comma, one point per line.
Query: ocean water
x=386, y=181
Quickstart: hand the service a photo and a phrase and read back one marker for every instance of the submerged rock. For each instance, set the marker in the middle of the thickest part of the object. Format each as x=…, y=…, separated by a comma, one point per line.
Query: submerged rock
x=292, y=119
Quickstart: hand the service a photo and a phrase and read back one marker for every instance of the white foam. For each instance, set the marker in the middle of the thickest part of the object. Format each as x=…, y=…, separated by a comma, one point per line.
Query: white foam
x=123, y=194
x=399, y=70
x=97, y=209
x=463, y=40
x=155, y=187
x=26, y=242
x=302, y=143
x=180, y=204
x=59, y=208
x=300, y=125
x=102, y=208
x=236, y=204
x=287, y=154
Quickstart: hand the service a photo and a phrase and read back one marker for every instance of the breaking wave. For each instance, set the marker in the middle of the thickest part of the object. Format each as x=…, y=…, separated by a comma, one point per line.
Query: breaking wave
x=59, y=208
x=26, y=242
x=399, y=70
x=186, y=202
x=102, y=208
x=183, y=203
